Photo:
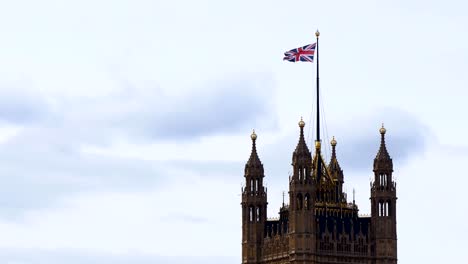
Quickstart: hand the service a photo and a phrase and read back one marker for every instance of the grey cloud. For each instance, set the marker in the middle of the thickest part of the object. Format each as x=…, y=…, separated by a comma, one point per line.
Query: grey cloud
x=44, y=162
x=227, y=110
x=405, y=137
x=51, y=175
x=358, y=143
x=21, y=105
x=145, y=113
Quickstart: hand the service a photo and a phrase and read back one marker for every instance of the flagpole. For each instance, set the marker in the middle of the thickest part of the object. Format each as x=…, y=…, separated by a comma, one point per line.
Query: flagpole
x=317, y=142
x=317, y=34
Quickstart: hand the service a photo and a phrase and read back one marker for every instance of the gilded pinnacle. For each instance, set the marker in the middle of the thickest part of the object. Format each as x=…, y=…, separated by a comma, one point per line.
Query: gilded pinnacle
x=383, y=130
x=301, y=123
x=253, y=136
x=333, y=142
x=317, y=33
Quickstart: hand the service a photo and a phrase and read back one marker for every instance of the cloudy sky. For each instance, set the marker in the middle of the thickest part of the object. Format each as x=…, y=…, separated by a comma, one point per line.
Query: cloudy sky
x=124, y=125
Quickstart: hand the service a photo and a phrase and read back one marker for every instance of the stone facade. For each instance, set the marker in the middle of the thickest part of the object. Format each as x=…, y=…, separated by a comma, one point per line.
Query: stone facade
x=319, y=225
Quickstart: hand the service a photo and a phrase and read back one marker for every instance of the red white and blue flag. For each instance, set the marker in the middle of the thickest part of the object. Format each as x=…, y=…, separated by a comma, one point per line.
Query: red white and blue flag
x=305, y=53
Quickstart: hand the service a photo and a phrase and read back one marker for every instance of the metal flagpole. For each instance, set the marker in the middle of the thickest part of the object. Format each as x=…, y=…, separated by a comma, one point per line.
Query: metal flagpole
x=317, y=34
x=317, y=142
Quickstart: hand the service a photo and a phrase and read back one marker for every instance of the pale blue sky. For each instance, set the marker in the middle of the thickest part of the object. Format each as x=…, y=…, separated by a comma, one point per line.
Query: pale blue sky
x=124, y=125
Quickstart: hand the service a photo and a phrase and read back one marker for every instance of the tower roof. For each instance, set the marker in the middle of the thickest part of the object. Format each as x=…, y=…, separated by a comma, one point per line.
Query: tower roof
x=382, y=154
x=302, y=151
x=253, y=165
x=334, y=166
x=382, y=159
x=254, y=160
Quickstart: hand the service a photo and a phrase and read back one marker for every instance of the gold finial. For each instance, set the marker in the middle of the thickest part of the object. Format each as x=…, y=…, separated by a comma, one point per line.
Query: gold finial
x=383, y=130
x=333, y=142
x=253, y=136
x=317, y=33
x=301, y=123
x=317, y=144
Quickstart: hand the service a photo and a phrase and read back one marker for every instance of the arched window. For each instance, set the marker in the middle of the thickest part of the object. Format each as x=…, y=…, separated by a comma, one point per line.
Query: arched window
x=389, y=208
x=299, y=202
x=307, y=201
x=256, y=185
x=257, y=214
x=250, y=213
x=251, y=185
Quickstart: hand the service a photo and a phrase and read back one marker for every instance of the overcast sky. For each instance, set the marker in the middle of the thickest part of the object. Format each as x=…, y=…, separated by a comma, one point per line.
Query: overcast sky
x=125, y=125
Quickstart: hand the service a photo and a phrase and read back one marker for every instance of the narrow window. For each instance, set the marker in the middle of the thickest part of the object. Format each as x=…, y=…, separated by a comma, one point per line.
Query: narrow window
x=258, y=214
x=299, y=201
x=250, y=214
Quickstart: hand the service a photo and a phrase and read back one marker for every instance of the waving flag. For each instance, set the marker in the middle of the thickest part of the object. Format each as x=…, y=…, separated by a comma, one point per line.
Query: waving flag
x=305, y=53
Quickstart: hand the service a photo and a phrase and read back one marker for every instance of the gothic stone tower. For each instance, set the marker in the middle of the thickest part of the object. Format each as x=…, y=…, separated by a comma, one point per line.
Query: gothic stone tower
x=301, y=210
x=383, y=203
x=319, y=225
x=254, y=206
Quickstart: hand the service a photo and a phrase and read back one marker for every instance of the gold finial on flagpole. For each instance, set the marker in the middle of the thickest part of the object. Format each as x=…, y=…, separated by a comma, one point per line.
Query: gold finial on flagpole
x=317, y=33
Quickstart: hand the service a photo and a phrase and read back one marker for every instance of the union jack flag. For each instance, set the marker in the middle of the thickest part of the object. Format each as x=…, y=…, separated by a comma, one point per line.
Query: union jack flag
x=305, y=53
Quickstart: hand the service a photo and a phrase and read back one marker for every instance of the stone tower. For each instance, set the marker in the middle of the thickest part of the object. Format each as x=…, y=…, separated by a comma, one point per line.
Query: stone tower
x=301, y=200
x=254, y=207
x=383, y=203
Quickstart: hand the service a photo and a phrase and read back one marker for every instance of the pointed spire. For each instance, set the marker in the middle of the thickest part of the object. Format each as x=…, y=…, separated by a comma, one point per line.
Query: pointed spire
x=334, y=166
x=254, y=160
x=382, y=159
x=301, y=151
x=254, y=166
x=383, y=153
